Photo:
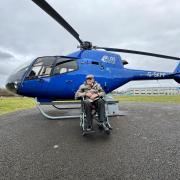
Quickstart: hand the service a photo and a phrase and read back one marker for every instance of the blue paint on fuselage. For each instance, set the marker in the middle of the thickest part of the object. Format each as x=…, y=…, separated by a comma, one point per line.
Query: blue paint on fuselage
x=105, y=66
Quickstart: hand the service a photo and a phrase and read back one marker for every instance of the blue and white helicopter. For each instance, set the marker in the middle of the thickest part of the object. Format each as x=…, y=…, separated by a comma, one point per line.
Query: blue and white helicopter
x=49, y=78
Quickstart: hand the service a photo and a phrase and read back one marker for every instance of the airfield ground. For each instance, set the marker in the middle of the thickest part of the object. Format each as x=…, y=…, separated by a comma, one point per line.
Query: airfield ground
x=144, y=144
x=12, y=104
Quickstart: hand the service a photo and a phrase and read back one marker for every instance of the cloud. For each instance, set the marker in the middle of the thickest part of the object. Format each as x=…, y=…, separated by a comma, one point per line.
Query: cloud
x=3, y=79
x=10, y=60
x=5, y=55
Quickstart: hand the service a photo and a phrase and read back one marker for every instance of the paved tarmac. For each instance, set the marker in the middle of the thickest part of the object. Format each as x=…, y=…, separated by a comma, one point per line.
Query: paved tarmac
x=144, y=145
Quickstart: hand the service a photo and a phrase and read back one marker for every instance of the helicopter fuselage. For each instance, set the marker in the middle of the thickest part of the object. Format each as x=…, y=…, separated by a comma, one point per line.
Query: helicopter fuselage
x=58, y=77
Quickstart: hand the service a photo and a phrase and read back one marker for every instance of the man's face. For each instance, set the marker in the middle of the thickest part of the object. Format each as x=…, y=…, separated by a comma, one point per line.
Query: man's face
x=89, y=81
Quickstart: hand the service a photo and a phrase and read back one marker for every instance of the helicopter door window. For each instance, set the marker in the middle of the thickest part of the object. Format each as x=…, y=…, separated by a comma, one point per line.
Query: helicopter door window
x=63, y=70
x=64, y=67
x=34, y=72
x=38, y=71
x=42, y=67
x=45, y=71
x=69, y=70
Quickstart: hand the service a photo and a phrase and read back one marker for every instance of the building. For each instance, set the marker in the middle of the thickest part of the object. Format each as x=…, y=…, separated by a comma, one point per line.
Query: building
x=151, y=91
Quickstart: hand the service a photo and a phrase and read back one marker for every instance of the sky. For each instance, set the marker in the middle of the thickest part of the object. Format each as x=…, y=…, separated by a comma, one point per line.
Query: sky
x=27, y=32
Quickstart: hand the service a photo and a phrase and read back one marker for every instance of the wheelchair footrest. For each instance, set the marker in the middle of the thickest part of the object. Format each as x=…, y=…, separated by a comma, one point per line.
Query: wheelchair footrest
x=88, y=132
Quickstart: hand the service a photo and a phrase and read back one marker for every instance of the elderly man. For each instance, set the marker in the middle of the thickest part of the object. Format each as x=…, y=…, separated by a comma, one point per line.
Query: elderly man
x=92, y=93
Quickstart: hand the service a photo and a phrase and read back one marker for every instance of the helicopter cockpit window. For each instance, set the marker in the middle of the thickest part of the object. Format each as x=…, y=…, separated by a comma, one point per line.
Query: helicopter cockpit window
x=42, y=67
x=64, y=67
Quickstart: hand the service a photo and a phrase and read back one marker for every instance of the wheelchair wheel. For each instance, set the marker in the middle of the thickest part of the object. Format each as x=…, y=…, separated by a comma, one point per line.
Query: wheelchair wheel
x=108, y=131
x=106, y=128
x=83, y=133
x=82, y=129
x=100, y=127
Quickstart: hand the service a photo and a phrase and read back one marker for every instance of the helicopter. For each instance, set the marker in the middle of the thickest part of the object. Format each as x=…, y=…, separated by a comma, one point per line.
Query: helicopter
x=49, y=78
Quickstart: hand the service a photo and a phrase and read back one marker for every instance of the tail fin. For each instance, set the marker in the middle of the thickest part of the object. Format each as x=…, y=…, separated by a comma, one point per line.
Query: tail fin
x=177, y=72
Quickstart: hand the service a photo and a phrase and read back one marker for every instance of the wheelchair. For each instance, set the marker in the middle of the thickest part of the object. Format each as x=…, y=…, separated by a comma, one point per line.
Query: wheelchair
x=103, y=126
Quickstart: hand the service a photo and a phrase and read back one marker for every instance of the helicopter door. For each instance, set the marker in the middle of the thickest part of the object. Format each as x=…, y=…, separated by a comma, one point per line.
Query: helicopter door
x=65, y=76
x=39, y=74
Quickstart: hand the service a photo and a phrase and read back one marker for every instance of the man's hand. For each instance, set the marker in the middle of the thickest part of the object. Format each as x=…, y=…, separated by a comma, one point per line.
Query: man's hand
x=94, y=96
x=88, y=94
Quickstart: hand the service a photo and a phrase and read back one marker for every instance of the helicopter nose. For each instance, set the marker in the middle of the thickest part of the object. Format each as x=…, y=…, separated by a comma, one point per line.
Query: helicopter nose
x=14, y=81
x=12, y=84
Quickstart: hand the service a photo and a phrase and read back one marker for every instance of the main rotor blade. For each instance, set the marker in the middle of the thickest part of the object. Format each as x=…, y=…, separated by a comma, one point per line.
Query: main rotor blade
x=138, y=52
x=49, y=10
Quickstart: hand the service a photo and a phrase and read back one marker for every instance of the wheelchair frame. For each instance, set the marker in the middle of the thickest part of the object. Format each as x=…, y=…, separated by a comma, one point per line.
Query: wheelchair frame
x=94, y=117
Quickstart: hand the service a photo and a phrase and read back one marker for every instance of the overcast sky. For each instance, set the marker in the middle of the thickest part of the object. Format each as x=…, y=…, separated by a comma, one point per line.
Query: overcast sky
x=27, y=32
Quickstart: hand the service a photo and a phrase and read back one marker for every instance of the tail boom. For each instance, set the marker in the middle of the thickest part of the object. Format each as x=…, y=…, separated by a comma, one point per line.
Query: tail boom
x=155, y=75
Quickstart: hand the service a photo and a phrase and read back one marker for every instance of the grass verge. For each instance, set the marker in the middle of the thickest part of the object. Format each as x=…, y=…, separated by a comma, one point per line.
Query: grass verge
x=15, y=103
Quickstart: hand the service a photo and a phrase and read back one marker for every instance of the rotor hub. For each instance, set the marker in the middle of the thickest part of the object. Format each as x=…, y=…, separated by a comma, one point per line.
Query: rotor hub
x=86, y=45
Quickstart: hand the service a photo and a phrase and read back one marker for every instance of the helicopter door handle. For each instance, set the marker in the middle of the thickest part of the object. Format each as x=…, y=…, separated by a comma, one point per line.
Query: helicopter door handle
x=69, y=81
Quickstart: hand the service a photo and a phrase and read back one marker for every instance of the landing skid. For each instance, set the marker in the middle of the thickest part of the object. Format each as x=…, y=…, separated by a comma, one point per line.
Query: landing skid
x=48, y=116
x=112, y=108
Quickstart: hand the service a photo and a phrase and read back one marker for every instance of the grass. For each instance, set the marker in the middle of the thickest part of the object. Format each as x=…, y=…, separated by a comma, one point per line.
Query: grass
x=161, y=99
x=15, y=103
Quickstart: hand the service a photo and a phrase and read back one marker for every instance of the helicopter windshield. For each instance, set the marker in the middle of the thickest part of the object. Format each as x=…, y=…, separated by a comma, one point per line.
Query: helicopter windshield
x=44, y=66
x=19, y=72
x=23, y=66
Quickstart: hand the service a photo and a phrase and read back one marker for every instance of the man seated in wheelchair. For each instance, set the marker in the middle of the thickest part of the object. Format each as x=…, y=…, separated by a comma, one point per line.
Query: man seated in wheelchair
x=92, y=94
